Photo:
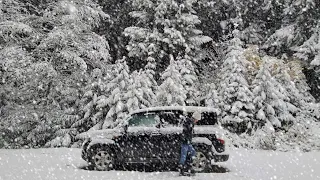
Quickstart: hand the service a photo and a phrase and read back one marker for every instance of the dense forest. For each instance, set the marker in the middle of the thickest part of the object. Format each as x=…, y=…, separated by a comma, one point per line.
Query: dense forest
x=68, y=67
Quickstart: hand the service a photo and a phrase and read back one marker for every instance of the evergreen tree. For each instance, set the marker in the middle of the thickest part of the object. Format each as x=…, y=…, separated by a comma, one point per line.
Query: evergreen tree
x=164, y=28
x=310, y=49
x=281, y=73
x=234, y=88
x=271, y=100
x=281, y=40
x=15, y=68
x=211, y=96
x=140, y=92
x=295, y=71
x=171, y=92
x=309, y=52
x=299, y=17
x=93, y=103
x=190, y=80
x=117, y=100
x=118, y=10
x=298, y=96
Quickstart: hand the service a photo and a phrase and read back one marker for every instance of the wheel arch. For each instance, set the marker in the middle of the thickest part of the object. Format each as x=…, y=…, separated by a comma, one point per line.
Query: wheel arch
x=92, y=148
x=203, y=146
x=202, y=142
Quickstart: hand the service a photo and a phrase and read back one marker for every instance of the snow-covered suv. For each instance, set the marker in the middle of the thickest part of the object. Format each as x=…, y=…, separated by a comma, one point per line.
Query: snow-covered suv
x=153, y=135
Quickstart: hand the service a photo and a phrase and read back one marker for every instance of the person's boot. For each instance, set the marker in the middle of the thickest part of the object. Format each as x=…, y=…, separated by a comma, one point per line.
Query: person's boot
x=181, y=170
x=189, y=171
x=189, y=168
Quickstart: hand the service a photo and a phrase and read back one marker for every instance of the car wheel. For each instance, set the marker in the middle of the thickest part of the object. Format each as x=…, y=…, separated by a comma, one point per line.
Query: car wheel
x=102, y=160
x=201, y=162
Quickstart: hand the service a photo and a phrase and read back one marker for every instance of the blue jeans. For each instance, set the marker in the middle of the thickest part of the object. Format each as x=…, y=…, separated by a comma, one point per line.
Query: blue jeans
x=185, y=148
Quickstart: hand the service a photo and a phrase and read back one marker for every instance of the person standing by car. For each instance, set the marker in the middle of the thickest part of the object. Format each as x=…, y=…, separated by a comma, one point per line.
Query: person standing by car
x=186, y=147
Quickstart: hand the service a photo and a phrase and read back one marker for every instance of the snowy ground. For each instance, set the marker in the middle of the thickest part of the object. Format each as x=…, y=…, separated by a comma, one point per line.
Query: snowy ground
x=56, y=164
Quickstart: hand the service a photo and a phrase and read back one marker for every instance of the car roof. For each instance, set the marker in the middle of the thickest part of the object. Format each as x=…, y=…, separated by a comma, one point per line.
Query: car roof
x=176, y=108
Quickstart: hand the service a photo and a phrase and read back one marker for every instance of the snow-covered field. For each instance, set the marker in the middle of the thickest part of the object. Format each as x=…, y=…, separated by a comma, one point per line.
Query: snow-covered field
x=56, y=164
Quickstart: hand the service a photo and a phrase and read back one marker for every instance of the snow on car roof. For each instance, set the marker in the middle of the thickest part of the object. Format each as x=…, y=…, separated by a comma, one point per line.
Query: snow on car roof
x=177, y=108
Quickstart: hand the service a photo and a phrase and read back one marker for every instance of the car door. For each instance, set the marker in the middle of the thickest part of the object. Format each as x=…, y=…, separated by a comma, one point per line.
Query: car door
x=139, y=143
x=171, y=135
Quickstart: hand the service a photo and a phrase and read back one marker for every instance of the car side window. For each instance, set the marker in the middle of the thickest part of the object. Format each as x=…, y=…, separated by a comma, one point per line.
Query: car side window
x=208, y=118
x=144, y=120
x=169, y=119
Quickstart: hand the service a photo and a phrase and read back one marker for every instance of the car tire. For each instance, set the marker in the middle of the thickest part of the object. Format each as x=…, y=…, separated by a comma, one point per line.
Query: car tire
x=102, y=159
x=202, y=161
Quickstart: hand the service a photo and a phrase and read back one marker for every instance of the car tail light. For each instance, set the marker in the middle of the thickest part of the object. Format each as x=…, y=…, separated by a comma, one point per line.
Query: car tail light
x=221, y=141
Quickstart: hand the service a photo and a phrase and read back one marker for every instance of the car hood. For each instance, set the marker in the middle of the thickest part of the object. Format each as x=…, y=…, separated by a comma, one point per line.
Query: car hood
x=98, y=134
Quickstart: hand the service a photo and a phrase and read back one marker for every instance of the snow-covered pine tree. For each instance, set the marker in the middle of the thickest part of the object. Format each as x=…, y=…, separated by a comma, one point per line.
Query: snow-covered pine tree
x=211, y=96
x=265, y=138
x=71, y=45
x=25, y=82
x=45, y=82
x=281, y=72
x=271, y=100
x=14, y=30
x=11, y=10
x=117, y=89
x=190, y=80
x=93, y=104
x=300, y=133
x=108, y=100
x=309, y=52
x=164, y=28
x=299, y=17
x=295, y=71
x=60, y=123
x=234, y=89
x=68, y=46
x=281, y=40
x=140, y=92
x=15, y=67
x=292, y=77
x=305, y=14
x=310, y=49
x=16, y=61
x=171, y=92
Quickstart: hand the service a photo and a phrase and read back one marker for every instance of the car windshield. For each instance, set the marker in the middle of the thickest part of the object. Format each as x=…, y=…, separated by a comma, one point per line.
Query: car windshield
x=146, y=120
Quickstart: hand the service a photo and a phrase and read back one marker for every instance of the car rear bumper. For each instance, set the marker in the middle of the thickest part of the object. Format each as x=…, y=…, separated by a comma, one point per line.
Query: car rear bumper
x=219, y=157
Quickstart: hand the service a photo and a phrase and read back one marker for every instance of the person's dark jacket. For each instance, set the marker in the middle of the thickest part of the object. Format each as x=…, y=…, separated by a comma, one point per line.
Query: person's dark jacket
x=187, y=133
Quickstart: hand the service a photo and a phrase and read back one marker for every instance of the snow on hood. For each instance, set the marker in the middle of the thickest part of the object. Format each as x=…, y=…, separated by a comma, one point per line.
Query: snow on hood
x=100, y=141
x=98, y=134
